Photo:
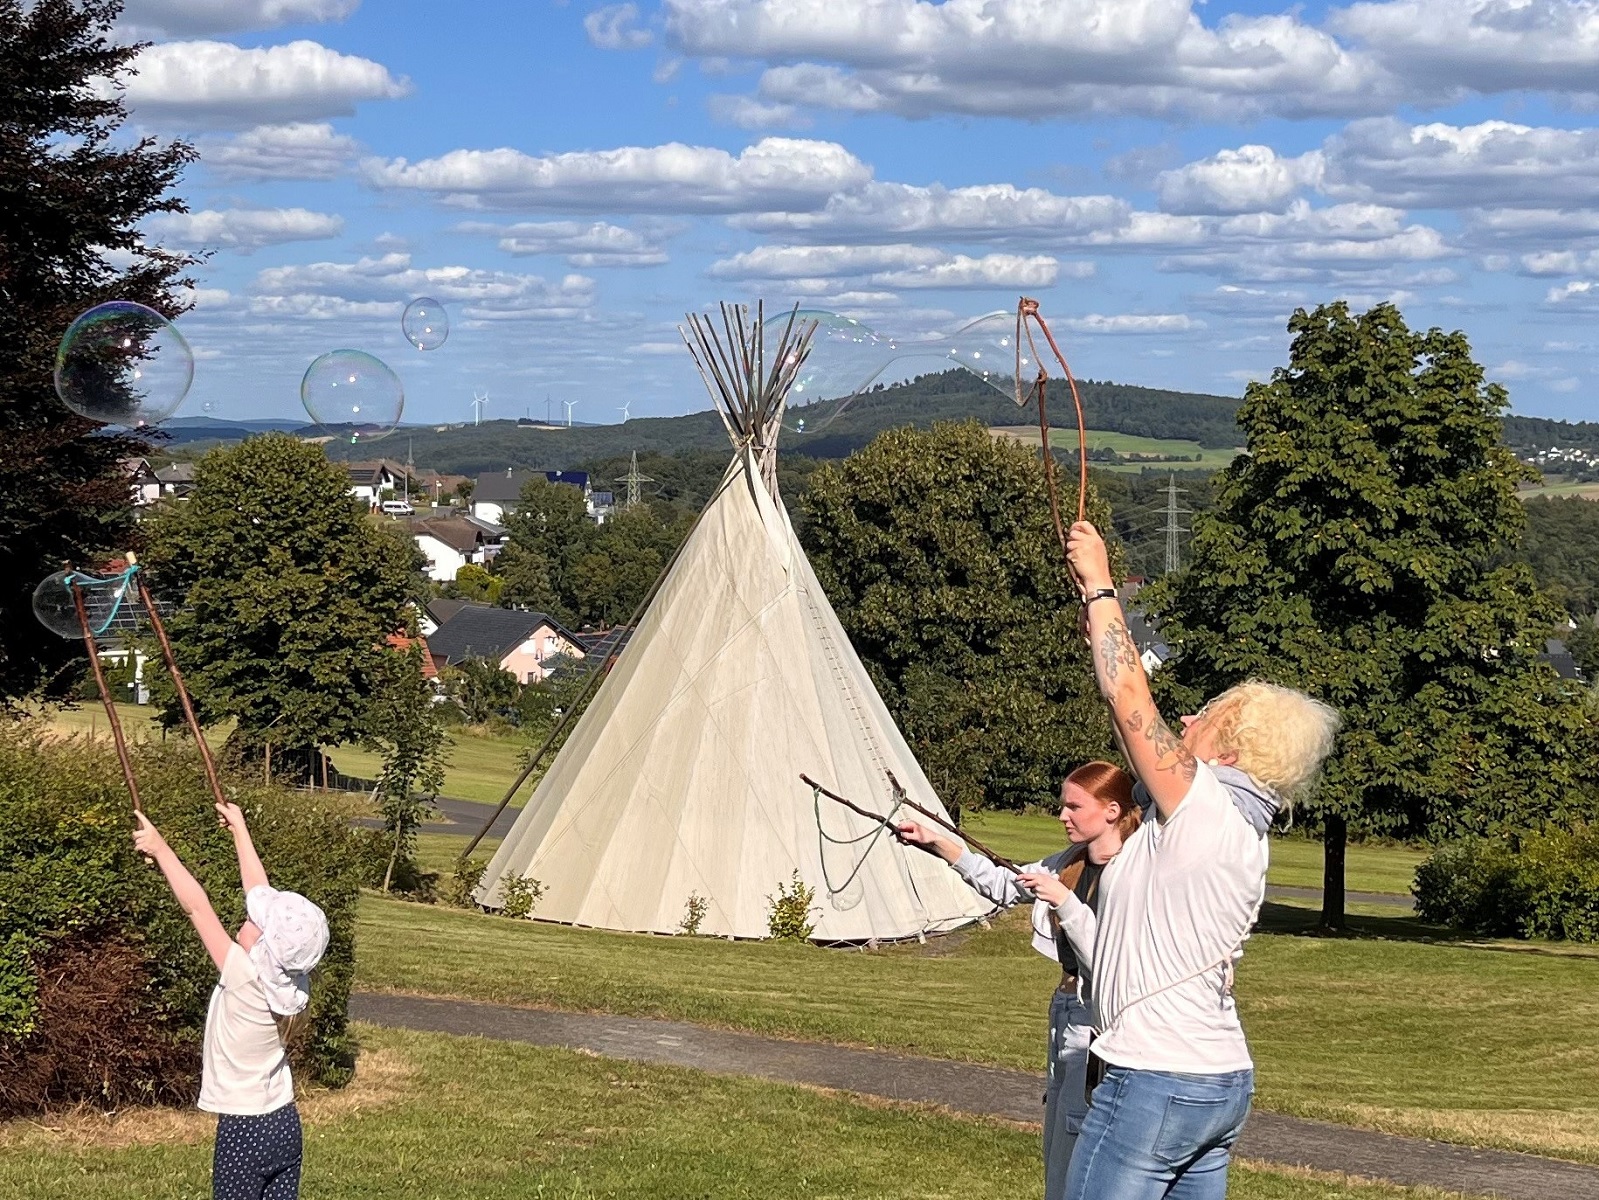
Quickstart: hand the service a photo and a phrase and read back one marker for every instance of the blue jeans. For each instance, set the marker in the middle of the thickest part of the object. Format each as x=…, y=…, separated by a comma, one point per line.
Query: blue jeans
x=1157, y=1135
x=1064, y=1103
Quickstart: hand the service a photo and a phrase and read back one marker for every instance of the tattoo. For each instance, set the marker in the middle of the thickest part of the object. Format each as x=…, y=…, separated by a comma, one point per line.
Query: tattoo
x=1172, y=755
x=1135, y=721
x=1116, y=649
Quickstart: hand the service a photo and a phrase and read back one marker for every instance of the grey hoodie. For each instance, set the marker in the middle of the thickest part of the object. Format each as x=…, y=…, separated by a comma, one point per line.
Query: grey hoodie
x=1254, y=802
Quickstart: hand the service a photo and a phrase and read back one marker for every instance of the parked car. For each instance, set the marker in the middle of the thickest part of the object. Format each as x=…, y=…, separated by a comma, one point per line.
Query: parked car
x=398, y=508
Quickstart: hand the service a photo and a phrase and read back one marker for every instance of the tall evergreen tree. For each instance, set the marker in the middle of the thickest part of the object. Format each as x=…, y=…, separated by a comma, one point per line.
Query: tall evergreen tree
x=71, y=199
x=937, y=552
x=1358, y=551
x=285, y=594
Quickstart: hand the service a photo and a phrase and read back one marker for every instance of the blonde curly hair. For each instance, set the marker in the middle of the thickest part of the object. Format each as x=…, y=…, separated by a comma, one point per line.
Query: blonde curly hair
x=1281, y=736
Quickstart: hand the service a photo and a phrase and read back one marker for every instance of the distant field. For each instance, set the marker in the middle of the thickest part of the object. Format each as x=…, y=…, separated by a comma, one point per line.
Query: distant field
x=1124, y=443
x=1587, y=491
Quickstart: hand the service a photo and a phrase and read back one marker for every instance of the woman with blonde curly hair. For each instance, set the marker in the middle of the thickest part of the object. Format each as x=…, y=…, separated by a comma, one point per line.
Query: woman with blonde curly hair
x=1175, y=908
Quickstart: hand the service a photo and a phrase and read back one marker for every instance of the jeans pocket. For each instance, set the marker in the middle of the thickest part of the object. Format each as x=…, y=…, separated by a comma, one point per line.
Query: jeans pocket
x=1190, y=1126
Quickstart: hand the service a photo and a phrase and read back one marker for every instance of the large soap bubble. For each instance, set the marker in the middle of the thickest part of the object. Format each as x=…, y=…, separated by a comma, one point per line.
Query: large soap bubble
x=425, y=323
x=987, y=348
x=121, y=363
x=845, y=359
x=56, y=607
x=351, y=393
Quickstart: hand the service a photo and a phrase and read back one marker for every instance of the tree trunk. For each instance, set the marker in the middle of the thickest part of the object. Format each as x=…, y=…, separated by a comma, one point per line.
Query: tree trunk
x=1335, y=840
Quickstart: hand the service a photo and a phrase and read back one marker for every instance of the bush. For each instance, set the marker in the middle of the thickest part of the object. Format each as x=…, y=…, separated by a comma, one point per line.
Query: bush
x=103, y=983
x=788, y=914
x=1548, y=887
x=694, y=910
x=456, y=891
x=518, y=895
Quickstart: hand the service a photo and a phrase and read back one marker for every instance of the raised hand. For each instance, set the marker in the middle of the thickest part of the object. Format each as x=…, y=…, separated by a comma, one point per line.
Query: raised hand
x=1085, y=550
x=147, y=839
x=1045, y=885
x=913, y=834
x=231, y=817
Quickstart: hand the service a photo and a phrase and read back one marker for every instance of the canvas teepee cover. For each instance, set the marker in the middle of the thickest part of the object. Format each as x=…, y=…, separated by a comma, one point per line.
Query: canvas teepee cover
x=683, y=776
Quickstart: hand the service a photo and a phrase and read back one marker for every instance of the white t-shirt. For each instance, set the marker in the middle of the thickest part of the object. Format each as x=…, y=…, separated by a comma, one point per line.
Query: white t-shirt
x=1178, y=901
x=246, y=1069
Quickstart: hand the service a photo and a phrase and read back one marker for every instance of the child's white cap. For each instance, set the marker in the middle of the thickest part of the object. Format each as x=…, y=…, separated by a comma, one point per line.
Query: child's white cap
x=294, y=936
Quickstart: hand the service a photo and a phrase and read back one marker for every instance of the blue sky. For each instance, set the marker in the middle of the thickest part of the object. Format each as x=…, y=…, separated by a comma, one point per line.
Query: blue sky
x=1170, y=179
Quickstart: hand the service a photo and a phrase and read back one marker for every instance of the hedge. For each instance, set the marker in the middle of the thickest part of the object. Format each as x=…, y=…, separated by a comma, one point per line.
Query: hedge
x=1539, y=884
x=103, y=982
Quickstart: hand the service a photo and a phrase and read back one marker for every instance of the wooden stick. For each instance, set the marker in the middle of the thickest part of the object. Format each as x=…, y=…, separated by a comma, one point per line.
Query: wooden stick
x=183, y=692
x=105, y=694
x=993, y=856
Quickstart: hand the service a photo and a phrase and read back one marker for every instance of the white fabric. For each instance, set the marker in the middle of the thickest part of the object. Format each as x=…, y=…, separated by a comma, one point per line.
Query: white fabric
x=245, y=1069
x=294, y=936
x=682, y=777
x=1175, y=907
x=999, y=885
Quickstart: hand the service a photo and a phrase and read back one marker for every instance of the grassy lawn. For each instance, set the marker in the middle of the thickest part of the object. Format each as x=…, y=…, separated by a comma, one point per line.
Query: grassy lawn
x=1378, y=1031
x=138, y=722
x=1125, y=443
x=1295, y=862
x=440, y=851
x=433, y=1116
x=481, y=766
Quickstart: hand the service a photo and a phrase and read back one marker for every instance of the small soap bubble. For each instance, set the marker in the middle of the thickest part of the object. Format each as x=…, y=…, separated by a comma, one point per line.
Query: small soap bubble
x=351, y=393
x=425, y=323
x=121, y=363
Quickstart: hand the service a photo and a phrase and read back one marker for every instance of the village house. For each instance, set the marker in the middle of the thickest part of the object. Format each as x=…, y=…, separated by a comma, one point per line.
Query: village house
x=527, y=644
x=450, y=543
x=142, y=480
x=498, y=493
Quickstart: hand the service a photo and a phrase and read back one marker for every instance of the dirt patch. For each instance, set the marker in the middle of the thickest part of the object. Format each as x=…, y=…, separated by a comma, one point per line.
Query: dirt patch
x=1571, y=1133
x=1339, y=1179
x=381, y=1078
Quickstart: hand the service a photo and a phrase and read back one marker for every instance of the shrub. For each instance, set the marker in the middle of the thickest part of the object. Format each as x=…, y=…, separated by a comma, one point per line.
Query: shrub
x=1548, y=886
x=694, y=910
x=103, y=983
x=788, y=914
x=518, y=895
x=457, y=890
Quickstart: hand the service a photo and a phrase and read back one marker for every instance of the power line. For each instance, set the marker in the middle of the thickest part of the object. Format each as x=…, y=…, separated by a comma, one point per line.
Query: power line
x=633, y=478
x=1173, y=531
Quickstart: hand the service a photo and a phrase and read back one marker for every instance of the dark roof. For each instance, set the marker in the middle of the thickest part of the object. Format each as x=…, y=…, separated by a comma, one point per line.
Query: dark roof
x=178, y=472
x=495, y=533
x=603, y=499
x=454, y=532
x=500, y=487
x=607, y=643
x=442, y=608
x=1558, y=657
x=578, y=479
x=482, y=631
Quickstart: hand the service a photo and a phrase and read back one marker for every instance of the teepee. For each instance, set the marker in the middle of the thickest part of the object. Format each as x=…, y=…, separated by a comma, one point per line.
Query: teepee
x=682, y=779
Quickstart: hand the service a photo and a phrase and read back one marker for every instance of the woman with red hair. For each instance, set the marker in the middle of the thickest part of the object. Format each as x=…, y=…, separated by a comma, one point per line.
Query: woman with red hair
x=1098, y=812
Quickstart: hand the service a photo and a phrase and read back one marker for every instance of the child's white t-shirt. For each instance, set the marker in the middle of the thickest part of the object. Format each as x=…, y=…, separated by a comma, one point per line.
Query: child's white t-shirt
x=246, y=1069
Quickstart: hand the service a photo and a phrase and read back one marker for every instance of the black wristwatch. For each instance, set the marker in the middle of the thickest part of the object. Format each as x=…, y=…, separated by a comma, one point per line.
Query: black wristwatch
x=1098, y=594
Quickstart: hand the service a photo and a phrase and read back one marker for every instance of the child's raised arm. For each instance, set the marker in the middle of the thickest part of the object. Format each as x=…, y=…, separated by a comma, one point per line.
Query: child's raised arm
x=251, y=873
x=190, y=895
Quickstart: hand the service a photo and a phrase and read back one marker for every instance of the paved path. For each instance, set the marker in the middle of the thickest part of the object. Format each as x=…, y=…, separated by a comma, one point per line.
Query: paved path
x=968, y=1088
x=466, y=817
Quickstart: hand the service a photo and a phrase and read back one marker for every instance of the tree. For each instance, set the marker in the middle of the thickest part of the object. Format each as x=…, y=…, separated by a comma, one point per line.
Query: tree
x=937, y=552
x=284, y=593
x=403, y=724
x=549, y=530
x=1351, y=553
x=473, y=582
x=72, y=197
x=482, y=690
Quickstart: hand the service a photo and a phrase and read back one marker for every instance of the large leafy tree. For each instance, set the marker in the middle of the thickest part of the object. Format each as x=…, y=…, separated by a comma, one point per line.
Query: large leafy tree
x=284, y=593
x=937, y=552
x=1358, y=550
x=72, y=195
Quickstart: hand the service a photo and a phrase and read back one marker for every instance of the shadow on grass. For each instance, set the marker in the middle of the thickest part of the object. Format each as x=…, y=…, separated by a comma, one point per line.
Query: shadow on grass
x=1403, y=927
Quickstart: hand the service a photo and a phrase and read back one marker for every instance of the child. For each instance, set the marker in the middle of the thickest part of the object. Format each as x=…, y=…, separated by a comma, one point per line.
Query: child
x=245, y=1078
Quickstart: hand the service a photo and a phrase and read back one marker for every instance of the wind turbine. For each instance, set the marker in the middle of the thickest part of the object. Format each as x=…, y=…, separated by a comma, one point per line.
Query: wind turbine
x=479, y=403
x=570, y=405
x=626, y=411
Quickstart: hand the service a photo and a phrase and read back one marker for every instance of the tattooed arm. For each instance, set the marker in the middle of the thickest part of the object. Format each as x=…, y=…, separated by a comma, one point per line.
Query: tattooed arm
x=1157, y=755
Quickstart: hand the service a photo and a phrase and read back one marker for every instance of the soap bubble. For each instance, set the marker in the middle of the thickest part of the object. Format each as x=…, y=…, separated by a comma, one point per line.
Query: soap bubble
x=425, y=323
x=987, y=348
x=124, y=364
x=349, y=392
x=57, y=610
x=845, y=359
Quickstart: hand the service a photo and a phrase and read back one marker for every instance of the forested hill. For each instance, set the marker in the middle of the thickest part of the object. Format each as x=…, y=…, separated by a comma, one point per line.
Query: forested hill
x=1526, y=433
x=953, y=395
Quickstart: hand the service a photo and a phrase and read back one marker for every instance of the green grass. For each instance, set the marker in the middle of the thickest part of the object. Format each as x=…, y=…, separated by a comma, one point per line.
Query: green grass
x=441, y=851
x=138, y=723
x=1295, y=862
x=481, y=765
x=431, y=1117
x=1484, y=1045
x=1126, y=443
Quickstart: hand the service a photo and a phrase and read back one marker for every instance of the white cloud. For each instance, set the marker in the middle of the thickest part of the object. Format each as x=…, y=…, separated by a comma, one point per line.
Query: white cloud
x=595, y=244
x=818, y=269
x=774, y=173
x=372, y=287
x=1248, y=179
x=615, y=27
x=1029, y=58
x=244, y=229
x=215, y=84
x=749, y=113
x=1132, y=323
x=1534, y=225
x=797, y=262
x=1577, y=289
x=296, y=151
x=989, y=271
x=989, y=211
x=197, y=18
x=1446, y=166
